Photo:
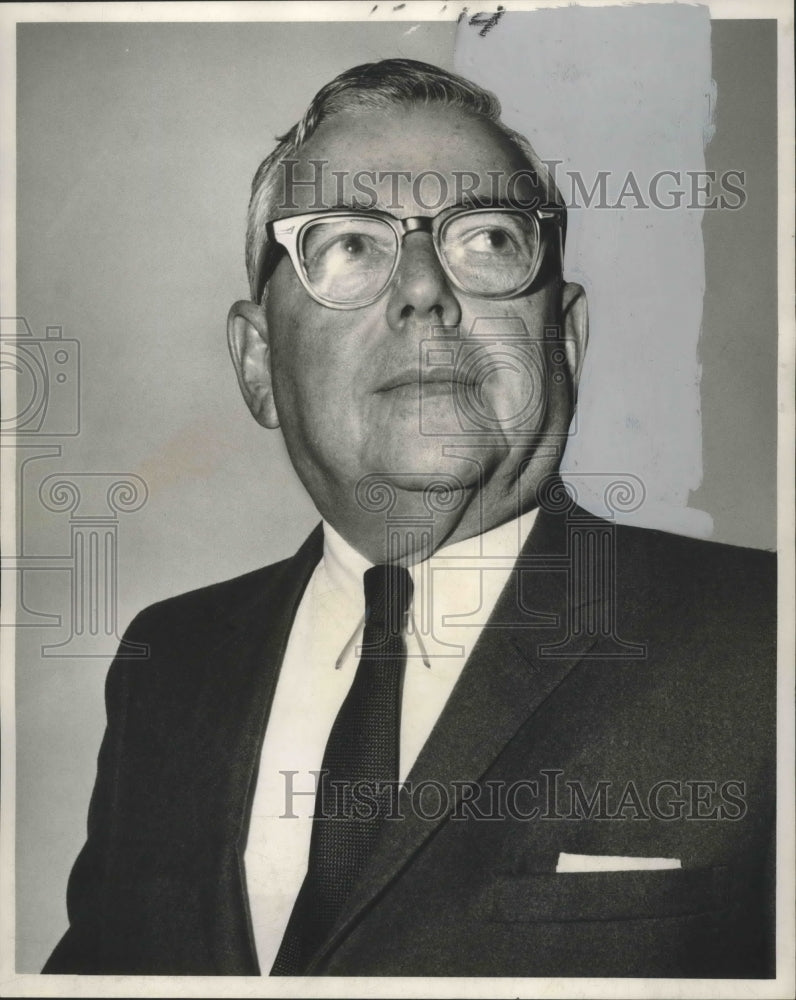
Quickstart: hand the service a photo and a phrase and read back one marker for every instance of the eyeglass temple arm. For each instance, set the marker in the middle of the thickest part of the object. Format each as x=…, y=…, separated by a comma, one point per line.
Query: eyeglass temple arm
x=270, y=255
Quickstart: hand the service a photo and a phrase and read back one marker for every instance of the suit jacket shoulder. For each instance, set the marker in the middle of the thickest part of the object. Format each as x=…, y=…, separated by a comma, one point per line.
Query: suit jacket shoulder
x=721, y=597
x=206, y=615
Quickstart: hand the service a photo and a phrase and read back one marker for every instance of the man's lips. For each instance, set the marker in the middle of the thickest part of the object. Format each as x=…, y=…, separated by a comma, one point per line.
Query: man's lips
x=414, y=377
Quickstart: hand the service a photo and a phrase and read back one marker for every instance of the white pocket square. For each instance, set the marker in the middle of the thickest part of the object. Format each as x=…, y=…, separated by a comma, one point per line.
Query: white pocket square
x=611, y=863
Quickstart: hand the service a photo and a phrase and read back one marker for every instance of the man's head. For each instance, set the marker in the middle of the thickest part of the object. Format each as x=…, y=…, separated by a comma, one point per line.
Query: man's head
x=446, y=347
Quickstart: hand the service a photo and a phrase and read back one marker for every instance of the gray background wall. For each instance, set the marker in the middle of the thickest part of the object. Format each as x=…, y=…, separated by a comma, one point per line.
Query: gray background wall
x=136, y=146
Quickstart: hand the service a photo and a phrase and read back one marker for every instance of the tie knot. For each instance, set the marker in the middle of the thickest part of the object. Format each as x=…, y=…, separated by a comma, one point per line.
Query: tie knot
x=388, y=595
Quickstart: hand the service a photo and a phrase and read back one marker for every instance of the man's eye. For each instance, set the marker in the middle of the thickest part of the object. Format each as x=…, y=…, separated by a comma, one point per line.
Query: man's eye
x=492, y=240
x=354, y=245
x=347, y=247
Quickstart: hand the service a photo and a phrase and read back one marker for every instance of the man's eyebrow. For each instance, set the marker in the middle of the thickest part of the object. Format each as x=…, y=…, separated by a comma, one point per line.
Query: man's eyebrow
x=485, y=201
x=367, y=206
x=354, y=206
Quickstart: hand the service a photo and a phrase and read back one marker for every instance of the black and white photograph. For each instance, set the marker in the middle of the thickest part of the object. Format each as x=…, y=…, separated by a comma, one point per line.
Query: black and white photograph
x=397, y=477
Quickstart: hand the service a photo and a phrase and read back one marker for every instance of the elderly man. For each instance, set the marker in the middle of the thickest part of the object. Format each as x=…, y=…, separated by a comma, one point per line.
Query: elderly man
x=469, y=728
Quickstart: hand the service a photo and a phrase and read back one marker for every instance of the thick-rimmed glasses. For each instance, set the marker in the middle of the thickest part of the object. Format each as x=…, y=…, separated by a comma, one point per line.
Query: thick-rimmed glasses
x=347, y=259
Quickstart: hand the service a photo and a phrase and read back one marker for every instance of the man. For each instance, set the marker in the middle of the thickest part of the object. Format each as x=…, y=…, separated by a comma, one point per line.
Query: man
x=533, y=743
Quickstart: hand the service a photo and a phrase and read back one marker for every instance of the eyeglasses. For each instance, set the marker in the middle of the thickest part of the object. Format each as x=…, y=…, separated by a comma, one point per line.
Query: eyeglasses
x=347, y=259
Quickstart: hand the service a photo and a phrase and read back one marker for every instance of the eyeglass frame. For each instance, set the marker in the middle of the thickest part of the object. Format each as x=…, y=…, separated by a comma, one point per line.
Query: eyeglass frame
x=286, y=231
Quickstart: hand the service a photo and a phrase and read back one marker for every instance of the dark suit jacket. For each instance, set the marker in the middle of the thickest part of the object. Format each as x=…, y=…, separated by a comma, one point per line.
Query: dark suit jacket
x=652, y=660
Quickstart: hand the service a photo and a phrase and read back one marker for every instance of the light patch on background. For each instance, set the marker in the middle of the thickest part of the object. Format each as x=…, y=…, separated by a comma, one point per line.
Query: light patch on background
x=625, y=89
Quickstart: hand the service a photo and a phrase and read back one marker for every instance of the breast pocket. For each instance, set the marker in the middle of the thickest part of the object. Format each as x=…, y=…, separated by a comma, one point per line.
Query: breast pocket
x=561, y=897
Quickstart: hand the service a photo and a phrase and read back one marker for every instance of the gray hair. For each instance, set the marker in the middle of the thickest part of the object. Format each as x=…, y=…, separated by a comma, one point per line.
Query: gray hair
x=375, y=86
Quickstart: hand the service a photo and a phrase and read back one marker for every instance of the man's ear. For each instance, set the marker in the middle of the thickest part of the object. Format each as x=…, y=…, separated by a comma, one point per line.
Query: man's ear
x=575, y=324
x=247, y=336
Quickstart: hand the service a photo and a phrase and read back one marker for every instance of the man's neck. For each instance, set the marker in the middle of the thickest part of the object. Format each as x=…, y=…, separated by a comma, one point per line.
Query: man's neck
x=412, y=525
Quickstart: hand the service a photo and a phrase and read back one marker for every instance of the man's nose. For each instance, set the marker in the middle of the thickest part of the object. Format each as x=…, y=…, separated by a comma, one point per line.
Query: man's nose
x=421, y=292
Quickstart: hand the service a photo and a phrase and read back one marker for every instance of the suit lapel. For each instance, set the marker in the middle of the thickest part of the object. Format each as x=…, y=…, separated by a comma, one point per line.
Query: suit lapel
x=508, y=676
x=221, y=755
x=241, y=669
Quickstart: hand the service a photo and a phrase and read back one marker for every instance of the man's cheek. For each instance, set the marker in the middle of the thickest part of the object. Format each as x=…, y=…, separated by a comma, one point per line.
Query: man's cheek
x=511, y=386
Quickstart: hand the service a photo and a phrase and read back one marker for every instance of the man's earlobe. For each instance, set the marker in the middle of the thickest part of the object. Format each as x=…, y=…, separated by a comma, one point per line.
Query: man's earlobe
x=247, y=336
x=575, y=323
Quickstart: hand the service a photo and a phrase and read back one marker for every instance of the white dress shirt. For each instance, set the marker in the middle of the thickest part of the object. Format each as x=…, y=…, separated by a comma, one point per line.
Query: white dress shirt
x=454, y=596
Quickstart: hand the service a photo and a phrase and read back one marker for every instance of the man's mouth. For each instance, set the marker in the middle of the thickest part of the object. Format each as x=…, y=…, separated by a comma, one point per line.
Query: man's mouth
x=412, y=378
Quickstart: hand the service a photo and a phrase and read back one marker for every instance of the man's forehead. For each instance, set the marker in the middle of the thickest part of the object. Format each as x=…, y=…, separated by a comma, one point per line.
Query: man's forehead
x=406, y=160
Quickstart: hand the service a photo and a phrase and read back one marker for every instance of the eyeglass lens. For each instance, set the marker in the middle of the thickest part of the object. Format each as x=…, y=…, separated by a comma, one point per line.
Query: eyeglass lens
x=348, y=259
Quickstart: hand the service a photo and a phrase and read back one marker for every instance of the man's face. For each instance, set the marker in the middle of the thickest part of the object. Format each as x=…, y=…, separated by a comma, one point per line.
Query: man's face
x=362, y=391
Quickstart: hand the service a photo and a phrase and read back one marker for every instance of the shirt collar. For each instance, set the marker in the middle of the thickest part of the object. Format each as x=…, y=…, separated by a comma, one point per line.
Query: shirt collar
x=339, y=576
x=345, y=567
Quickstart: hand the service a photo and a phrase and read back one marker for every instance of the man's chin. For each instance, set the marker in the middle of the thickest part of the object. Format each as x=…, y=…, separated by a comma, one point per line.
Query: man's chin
x=429, y=462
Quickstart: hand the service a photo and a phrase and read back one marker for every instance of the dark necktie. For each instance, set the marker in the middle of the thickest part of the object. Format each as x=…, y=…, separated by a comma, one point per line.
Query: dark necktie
x=361, y=755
